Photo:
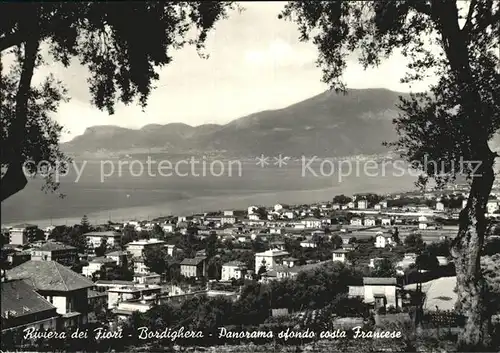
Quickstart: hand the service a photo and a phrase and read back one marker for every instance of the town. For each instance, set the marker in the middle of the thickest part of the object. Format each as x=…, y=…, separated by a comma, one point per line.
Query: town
x=356, y=261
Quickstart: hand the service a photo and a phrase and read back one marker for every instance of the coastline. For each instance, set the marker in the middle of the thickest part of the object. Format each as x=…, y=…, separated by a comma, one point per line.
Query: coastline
x=209, y=204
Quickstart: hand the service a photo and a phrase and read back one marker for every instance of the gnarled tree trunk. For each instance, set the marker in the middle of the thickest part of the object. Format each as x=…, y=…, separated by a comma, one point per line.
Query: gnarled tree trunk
x=466, y=250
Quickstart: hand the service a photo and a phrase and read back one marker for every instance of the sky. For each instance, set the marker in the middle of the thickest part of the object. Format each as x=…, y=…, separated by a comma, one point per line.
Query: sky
x=256, y=63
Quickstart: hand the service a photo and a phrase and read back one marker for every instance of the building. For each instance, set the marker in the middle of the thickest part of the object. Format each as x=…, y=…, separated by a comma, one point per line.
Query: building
x=381, y=292
x=492, y=206
x=23, y=307
x=233, y=269
x=94, y=239
x=168, y=227
x=340, y=255
x=440, y=206
x=228, y=219
x=137, y=248
x=381, y=241
x=308, y=244
x=149, y=278
x=362, y=204
x=269, y=259
x=60, y=286
x=356, y=221
x=119, y=257
x=386, y=221
x=52, y=251
x=194, y=268
x=96, y=265
x=311, y=222
x=20, y=234
x=252, y=209
x=369, y=222
x=140, y=266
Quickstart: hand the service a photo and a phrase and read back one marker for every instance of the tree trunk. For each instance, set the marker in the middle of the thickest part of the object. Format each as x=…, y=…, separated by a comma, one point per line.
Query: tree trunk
x=466, y=250
x=14, y=179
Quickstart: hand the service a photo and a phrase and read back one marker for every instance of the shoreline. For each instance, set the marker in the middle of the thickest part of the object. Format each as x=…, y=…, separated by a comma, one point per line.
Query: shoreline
x=202, y=204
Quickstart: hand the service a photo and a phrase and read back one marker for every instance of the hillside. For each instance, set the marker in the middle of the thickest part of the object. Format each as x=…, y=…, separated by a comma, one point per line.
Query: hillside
x=325, y=125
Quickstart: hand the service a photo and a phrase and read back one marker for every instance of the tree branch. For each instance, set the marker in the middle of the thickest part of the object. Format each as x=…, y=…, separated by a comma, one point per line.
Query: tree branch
x=14, y=179
x=12, y=40
x=422, y=7
x=468, y=22
x=495, y=18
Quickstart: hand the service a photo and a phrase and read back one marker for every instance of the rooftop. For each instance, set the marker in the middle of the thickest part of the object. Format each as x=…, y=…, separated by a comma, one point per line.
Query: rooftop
x=235, y=264
x=273, y=252
x=19, y=298
x=379, y=281
x=146, y=242
x=194, y=261
x=54, y=246
x=106, y=234
x=49, y=276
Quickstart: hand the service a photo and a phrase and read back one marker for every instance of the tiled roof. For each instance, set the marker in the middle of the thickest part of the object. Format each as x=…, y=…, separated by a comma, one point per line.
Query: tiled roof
x=235, y=264
x=52, y=246
x=102, y=234
x=102, y=260
x=117, y=253
x=49, y=276
x=194, y=262
x=382, y=281
x=19, y=298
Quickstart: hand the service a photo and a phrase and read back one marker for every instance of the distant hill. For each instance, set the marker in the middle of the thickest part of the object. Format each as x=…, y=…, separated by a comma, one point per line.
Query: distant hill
x=325, y=125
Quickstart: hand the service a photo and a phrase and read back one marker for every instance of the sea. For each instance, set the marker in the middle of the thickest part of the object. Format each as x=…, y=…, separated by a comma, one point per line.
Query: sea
x=105, y=191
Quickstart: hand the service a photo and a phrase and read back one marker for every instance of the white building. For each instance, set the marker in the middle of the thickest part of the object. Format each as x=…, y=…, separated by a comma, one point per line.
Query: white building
x=233, y=269
x=94, y=239
x=356, y=221
x=137, y=248
x=252, y=209
x=140, y=267
x=492, y=206
x=381, y=292
x=168, y=228
x=96, y=265
x=308, y=244
x=229, y=213
x=440, y=206
x=228, y=220
x=339, y=255
x=311, y=222
x=369, y=222
x=381, y=241
x=289, y=214
x=269, y=259
x=254, y=217
x=386, y=221
x=362, y=204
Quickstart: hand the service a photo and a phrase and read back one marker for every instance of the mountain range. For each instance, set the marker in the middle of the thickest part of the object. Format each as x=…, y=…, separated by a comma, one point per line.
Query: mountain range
x=326, y=125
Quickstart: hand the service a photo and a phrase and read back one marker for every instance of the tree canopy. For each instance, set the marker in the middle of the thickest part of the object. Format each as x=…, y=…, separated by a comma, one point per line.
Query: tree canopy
x=455, y=42
x=121, y=44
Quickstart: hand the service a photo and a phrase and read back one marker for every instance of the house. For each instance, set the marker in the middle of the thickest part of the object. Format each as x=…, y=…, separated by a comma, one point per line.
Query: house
x=339, y=255
x=117, y=295
x=440, y=206
x=20, y=234
x=492, y=206
x=94, y=239
x=383, y=204
x=228, y=220
x=308, y=244
x=119, y=257
x=381, y=241
x=233, y=269
x=362, y=204
x=289, y=214
x=269, y=259
x=147, y=278
x=356, y=221
x=96, y=265
x=53, y=251
x=252, y=209
x=381, y=292
x=229, y=213
x=464, y=203
x=278, y=207
x=336, y=206
x=290, y=261
x=140, y=266
x=350, y=205
x=386, y=221
x=377, y=207
x=168, y=227
x=194, y=268
x=137, y=248
x=311, y=222
x=375, y=261
x=369, y=222
x=254, y=217
x=23, y=307
x=60, y=286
